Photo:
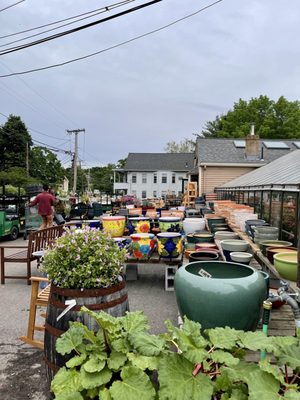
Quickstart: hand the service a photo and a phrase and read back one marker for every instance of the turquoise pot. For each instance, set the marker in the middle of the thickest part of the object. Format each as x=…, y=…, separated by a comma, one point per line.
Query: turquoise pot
x=232, y=297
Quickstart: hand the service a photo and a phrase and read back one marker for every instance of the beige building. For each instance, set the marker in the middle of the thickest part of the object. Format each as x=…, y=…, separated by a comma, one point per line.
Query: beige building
x=219, y=160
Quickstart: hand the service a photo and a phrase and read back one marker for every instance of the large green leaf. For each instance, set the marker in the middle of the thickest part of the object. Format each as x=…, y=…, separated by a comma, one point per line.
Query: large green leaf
x=88, y=334
x=135, y=322
x=290, y=356
x=223, y=357
x=121, y=345
x=70, y=340
x=107, y=322
x=104, y=394
x=261, y=384
x=146, y=344
x=93, y=364
x=116, y=360
x=143, y=362
x=292, y=395
x=135, y=385
x=69, y=396
x=66, y=381
x=254, y=340
x=177, y=382
x=76, y=361
x=273, y=370
x=223, y=338
x=95, y=379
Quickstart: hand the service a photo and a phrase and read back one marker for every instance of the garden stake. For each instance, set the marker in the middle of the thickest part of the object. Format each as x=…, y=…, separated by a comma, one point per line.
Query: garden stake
x=267, y=307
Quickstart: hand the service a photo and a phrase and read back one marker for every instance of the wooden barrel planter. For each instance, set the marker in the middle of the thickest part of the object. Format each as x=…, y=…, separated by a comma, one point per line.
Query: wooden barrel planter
x=113, y=300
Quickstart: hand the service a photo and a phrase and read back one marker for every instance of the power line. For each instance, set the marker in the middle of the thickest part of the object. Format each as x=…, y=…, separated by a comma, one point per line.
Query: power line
x=12, y=5
x=63, y=20
x=112, y=47
x=48, y=146
x=79, y=28
x=105, y=9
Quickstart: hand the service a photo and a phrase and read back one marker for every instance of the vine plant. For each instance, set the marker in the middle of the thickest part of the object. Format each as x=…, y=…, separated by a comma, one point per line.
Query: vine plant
x=123, y=361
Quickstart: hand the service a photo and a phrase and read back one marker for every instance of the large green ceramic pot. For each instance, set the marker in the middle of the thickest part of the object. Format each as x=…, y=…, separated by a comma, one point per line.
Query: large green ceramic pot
x=233, y=296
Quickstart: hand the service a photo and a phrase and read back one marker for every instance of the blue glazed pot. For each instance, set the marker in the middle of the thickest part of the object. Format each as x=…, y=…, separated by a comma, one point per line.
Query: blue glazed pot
x=232, y=297
x=170, y=244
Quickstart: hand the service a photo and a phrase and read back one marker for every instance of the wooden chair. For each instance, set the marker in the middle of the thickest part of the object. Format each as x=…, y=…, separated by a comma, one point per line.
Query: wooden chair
x=39, y=298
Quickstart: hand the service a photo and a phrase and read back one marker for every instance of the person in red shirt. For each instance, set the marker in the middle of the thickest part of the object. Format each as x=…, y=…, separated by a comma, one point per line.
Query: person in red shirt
x=45, y=202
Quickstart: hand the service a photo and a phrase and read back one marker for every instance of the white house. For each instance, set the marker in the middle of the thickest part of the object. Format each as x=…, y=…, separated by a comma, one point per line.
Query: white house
x=148, y=175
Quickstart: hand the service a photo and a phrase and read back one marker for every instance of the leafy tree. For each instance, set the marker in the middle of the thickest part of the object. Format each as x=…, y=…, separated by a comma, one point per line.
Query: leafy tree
x=185, y=146
x=121, y=163
x=102, y=178
x=82, y=179
x=272, y=119
x=14, y=141
x=45, y=166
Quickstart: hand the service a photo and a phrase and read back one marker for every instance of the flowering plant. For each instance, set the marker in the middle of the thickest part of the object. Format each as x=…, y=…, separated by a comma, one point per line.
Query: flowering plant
x=85, y=258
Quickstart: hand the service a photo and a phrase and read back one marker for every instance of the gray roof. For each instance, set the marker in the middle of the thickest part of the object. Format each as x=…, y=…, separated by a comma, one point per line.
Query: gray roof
x=223, y=150
x=283, y=171
x=159, y=161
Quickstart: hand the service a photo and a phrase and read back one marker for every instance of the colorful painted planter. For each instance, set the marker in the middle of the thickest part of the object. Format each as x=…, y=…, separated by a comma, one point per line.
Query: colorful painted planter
x=114, y=225
x=170, y=244
x=232, y=297
x=138, y=224
x=142, y=245
x=121, y=242
x=170, y=224
x=286, y=264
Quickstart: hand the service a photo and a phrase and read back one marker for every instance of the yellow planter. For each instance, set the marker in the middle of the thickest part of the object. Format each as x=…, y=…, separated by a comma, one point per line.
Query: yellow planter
x=114, y=225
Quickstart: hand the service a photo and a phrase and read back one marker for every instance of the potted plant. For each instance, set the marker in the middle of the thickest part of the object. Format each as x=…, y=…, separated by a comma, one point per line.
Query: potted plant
x=85, y=268
x=124, y=361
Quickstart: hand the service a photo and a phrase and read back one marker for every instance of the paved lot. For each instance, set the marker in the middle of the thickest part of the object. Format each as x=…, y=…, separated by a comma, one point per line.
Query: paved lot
x=22, y=374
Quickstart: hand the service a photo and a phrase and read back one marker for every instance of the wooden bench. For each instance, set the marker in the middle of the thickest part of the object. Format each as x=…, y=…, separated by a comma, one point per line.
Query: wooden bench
x=38, y=240
x=39, y=298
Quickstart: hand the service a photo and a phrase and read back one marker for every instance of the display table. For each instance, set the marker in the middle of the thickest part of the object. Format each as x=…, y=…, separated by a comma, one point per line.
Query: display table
x=171, y=266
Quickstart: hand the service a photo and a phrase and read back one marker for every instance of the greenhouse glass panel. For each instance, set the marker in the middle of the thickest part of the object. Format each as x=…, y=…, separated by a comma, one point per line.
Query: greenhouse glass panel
x=289, y=217
x=276, y=145
x=276, y=209
x=266, y=206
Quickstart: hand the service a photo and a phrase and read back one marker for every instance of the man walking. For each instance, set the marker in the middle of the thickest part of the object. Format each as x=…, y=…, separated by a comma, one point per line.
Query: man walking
x=45, y=202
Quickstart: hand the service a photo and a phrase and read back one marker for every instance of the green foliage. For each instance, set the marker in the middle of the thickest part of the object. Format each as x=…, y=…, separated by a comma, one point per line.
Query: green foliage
x=185, y=146
x=102, y=178
x=88, y=258
x=45, y=166
x=14, y=139
x=272, y=119
x=122, y=361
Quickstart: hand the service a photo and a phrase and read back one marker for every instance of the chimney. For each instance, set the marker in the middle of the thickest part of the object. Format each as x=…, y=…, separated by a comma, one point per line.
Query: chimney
x=252, y=148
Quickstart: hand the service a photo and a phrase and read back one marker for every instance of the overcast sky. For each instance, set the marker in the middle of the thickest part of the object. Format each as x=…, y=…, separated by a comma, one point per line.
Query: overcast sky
x=160, y=88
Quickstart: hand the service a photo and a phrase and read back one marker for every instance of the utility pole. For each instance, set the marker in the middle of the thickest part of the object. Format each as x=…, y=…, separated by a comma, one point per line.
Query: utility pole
x=76, y=132
x=27, y=159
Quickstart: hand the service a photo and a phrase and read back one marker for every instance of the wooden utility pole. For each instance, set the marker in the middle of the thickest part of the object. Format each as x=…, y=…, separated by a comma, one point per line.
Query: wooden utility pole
x=75, y=131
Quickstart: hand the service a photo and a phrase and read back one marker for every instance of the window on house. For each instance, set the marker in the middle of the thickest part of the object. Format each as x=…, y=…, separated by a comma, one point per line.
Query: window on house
x=154, y=193
x=133, y=179
x=155, y=178
x=164, y=178
x=144, y=178
x=173, y=178
x=163, y=194
x=144, y=194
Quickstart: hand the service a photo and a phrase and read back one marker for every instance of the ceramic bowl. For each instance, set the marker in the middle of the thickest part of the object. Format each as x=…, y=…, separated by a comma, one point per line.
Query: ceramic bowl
x=190, y=225
x=241, y=257
x=206, y=245
x=273, y=243
x=234, y=245
x=203, y=255
x=223, y=235
x=286, y=264
x=274, y=250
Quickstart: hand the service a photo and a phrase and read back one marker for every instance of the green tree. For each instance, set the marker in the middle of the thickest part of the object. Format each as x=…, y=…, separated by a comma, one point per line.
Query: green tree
x=102, y=178
x=185, y=146
x=272, y=119
x=45, y=166
x=14, y=143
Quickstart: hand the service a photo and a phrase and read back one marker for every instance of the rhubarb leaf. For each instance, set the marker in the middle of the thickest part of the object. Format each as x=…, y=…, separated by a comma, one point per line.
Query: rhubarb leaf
x=95, y=379
x=146, y=344
x=223, y=338
x=135, y=385
x=116, y=360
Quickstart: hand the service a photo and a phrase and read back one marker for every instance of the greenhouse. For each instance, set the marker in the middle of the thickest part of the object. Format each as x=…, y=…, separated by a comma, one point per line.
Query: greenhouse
x=273, y=191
